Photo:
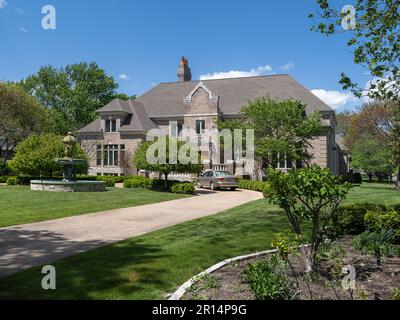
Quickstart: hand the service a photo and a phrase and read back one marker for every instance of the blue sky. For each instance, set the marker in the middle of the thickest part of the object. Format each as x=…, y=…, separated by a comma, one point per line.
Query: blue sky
x=140, y=42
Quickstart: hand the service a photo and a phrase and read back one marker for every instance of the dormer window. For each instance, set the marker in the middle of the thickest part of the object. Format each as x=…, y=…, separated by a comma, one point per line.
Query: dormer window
x=111, y=125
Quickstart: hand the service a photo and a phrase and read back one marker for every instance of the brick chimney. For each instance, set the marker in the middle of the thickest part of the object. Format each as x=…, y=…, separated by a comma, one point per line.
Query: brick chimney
x=184, y=73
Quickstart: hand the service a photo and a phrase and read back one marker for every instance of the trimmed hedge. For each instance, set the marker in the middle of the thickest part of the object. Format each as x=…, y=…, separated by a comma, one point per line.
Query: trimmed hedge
x=159, y=185
x=183, y=188
x=260, y=186
x=357, y=218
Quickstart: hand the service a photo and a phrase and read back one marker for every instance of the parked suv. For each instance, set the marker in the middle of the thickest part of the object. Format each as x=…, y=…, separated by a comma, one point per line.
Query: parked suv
x=217, y=179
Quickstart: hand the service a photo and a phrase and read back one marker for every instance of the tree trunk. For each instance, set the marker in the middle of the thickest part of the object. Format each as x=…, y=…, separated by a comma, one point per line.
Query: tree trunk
x=398, y=180
x=166, y=181
x=370, y=177
x=378, y=257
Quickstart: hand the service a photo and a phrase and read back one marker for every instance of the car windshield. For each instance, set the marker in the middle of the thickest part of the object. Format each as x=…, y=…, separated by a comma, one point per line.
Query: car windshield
x=222, y=173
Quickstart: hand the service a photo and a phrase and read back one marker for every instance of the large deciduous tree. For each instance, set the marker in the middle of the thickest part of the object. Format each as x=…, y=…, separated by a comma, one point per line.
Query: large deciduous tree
x=280, y=128
x=20, y=116
x=72, y=94
x=374, y=41
x=373, y=157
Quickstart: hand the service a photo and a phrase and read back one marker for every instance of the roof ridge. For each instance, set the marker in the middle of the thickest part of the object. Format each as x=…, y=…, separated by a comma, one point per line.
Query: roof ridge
x=235, y=78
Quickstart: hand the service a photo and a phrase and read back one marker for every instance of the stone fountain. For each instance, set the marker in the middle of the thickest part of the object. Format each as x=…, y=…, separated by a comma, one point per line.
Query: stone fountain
x=69, y=182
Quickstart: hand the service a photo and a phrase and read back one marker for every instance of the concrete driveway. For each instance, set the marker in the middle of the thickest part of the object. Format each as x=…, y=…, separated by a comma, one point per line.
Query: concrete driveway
x=41, y=243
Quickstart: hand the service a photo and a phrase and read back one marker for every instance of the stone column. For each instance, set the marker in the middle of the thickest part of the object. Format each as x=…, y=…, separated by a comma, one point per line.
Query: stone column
x=231, y=166
x=207, y=164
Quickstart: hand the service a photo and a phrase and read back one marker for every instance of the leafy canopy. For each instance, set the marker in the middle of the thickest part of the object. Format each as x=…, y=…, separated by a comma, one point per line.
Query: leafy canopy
x=310, y=194
x=171, y=161
x=72, y=94
x=20, y=116
x=36, y=156
x=280, y=127
x=372, y=156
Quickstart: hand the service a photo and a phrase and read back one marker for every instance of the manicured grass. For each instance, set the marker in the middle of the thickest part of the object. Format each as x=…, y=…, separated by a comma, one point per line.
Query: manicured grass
x=19, y=205
x=374, y=192
x=150, y=266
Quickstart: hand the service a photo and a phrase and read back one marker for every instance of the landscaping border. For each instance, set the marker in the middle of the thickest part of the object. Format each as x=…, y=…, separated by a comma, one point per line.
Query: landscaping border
x=178, y=294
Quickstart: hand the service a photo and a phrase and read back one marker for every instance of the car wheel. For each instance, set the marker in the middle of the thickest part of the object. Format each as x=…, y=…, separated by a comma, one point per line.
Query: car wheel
x=198, y=185
x=212, y=187
x=233, y=189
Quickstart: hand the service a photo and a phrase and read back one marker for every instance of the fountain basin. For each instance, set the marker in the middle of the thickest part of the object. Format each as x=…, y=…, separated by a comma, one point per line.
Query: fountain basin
x=68, y=186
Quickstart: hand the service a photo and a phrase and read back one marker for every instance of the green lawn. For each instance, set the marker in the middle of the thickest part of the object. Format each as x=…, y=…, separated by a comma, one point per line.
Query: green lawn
x=150, y=266
x=19, y=205
x=374, y=192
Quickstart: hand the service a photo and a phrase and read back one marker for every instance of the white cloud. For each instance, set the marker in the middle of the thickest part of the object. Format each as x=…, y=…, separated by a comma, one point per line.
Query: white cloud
x=23, y=30
x=124, y=77
x=335, y=99
x=260, y=71
x=19, y=11
x=287, y=67
x=3, y=3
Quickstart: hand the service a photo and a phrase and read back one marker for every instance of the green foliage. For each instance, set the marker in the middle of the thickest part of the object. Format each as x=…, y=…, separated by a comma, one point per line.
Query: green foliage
x=280, y=127
x=311, y=194
x=12, y=181
x=372, y=156
x=284, y=243
x=36, y=156
x=72, y=94
x=374, y=43
x=268, y=280
x=168, y=162
x=374, y=241
x=159, y=185
x=350, y=219
x=260, y=186
x=183, y=188
x=20, y=116
x=388, y=220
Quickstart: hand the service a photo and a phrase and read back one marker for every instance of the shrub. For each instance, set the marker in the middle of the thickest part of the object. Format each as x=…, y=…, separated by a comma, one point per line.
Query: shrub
x=389, y=220
x=138, y=182
x=12, y=181
x=260, y=186
x=269, y=281
x=349, y=219
x=375, y=242
x=3, y=179
x=183, y=188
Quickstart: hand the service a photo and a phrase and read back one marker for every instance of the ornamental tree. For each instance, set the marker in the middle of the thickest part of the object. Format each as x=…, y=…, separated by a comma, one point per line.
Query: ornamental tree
x=166, y=155
x=35, y=156
x=310, y=194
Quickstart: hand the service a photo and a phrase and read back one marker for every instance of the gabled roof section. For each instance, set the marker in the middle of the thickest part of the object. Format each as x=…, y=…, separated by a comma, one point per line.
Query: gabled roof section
x=340, y=142
x=167, y=99
x=138, y=120
x=201, y=85
x=116, y=105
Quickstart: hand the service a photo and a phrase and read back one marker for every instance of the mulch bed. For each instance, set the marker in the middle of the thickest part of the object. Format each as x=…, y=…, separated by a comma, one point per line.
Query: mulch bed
x=371, y=282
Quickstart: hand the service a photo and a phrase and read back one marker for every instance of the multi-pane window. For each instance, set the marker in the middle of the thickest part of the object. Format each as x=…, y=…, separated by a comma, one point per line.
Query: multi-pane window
x=99, y=155
x=175, y=129
x=200, y=126
x=283, y=162
x=111, y=125
x=110, y=155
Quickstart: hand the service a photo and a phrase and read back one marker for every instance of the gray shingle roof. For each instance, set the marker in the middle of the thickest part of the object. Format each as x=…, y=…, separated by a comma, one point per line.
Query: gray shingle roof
x=116, y=105
x=136, y=120
x=166, y=99
x=340, y=142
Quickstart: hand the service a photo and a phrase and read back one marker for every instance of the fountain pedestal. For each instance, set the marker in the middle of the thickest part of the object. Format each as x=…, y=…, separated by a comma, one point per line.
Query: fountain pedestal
x=69, y=182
